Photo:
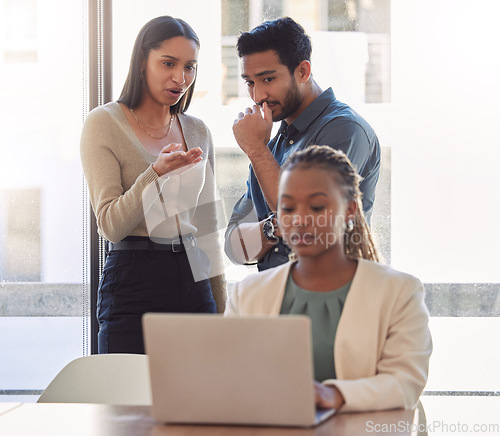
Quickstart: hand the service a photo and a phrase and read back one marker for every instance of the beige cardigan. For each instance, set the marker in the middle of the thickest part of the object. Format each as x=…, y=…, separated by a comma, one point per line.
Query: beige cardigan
x=118, y=170
x=383, y=344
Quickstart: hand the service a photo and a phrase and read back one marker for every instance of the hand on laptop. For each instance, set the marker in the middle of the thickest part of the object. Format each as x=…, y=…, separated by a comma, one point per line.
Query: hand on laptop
x=328, y=397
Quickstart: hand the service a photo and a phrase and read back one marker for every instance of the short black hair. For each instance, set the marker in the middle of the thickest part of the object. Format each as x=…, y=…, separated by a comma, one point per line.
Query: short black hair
x=283, y=35
x=150, y=37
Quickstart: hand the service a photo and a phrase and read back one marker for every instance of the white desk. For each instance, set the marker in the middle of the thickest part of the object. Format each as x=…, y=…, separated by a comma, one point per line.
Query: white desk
x=7, y=407
x=100, y=420
x=440, y=416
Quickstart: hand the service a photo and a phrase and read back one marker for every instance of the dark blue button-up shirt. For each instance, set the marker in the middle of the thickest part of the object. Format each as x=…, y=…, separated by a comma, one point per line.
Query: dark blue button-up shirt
x=326, y=121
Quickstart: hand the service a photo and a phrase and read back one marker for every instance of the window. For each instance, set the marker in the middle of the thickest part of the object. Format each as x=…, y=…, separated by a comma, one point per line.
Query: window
x=41, y=183
x=354, y=33
x=430, y=92
x=423, y=73
x=20, y=30
x=372, y=18
x=20, y=210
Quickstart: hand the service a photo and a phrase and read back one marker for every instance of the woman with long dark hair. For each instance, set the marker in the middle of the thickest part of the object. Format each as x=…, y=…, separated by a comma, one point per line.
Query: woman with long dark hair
x=150, y=172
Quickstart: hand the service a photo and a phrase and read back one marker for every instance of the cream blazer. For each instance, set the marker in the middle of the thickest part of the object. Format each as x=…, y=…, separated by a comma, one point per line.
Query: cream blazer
x=383, y=344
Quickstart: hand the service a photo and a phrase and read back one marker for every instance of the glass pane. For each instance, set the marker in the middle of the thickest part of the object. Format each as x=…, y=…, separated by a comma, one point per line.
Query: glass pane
x=435, y=214
x=235, y=16
x=445, y=179
x=272, y=9
x=41, y=204
x=342, y=15
x=430, y=93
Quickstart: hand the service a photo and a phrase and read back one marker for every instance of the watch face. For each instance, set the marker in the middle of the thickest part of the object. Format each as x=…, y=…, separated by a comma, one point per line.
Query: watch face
x=268, y=230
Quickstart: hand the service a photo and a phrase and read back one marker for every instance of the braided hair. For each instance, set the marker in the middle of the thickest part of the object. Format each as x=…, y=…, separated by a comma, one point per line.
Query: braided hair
x=358, y=241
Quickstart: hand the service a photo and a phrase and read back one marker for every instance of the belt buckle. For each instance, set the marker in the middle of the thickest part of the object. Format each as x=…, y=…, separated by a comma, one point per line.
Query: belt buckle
x=177, y=246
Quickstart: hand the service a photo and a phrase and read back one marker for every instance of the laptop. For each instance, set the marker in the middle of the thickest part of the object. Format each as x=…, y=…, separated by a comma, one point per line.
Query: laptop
x=210, y=369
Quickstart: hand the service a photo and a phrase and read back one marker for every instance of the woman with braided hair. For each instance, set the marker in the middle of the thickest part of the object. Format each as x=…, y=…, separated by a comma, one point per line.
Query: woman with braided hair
x=370, y=335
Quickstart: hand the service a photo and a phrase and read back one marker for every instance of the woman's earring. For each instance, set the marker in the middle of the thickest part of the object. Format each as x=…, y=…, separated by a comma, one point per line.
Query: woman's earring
x=350, y=225
x=141, y=76
x=292, y=257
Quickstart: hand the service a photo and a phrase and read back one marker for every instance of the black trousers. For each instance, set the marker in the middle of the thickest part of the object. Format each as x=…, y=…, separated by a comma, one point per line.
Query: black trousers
x=138, y=281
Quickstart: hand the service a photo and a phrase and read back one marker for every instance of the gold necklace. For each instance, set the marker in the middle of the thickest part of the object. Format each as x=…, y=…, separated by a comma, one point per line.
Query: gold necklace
x=143, y=125
x=146, y=124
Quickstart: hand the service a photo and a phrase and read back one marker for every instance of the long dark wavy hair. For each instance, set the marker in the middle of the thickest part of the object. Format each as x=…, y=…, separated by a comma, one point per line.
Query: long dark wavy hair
x=358, y=242
x=150, y=37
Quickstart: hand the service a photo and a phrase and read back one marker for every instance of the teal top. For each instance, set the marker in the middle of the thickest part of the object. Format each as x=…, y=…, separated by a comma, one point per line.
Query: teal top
x=324, y=309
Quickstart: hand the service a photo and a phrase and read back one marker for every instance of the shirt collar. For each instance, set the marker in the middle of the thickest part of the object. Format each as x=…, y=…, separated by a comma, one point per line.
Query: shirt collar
x=312, y=111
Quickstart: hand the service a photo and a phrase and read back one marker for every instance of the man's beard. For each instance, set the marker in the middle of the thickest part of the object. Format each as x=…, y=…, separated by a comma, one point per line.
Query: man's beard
x=292, y=103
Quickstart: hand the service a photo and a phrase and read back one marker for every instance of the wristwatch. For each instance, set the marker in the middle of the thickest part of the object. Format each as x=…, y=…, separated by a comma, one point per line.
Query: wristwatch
x=268, y=229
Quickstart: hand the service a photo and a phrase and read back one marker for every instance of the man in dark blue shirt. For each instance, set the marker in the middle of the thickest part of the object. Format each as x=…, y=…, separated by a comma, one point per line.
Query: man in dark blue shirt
x=277, y=70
